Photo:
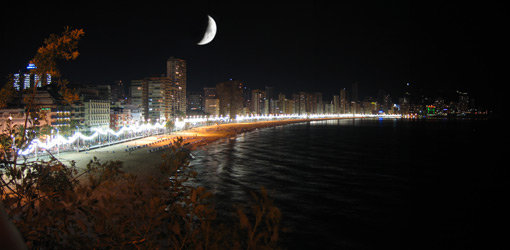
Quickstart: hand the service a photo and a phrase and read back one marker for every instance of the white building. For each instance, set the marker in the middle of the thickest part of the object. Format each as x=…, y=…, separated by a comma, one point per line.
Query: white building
x=97, y=113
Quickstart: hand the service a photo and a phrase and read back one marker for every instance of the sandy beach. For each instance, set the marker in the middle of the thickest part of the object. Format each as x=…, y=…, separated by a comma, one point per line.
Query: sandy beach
x=143, y=156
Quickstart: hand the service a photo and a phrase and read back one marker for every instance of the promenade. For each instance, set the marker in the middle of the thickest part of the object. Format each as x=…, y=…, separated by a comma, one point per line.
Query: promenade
x=145, y=160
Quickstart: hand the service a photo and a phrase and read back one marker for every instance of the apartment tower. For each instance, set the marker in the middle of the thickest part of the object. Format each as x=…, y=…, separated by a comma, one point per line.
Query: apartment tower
x=176, y=72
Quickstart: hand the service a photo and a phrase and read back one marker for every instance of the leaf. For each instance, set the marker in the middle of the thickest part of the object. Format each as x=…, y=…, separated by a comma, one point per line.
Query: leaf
x=194, y=196
x=82, y=225
x=176, y=229
x=243, y=219
x=199, y=209
x=99, y=228
x=274, y=236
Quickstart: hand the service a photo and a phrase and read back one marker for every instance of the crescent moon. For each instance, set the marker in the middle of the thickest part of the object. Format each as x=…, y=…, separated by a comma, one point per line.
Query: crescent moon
x=210, y=32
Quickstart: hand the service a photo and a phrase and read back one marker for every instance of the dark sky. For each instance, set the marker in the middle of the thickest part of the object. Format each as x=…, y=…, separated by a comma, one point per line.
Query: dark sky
x=319, y=46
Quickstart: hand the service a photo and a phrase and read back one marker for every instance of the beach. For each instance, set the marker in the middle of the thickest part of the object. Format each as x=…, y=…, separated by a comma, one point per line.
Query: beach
x=142, y=157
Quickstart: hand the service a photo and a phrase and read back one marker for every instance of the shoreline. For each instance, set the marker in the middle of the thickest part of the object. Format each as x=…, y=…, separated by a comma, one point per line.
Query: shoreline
x=147, y=153
x=207, y=134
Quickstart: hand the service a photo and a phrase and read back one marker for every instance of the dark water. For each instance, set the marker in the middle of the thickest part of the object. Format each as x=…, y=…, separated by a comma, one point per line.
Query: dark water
x=368, y=183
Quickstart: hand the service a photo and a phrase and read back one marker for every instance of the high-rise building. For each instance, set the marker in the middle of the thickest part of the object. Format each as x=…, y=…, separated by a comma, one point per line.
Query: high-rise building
x=156, y=97
x=309, y=103
x=230, y=94
x=247, y=100
x=212, y=106
x=257, y=101
x=290, y=108
x=318, y=105
x=153, y=99
x=343, y=102
x=463, y=104
x=195, y=103
x=209, y=93
x=118, y=91
x=335, y=106
x=282, y=103
x=161, y=97
x=300, y=103
x=329, y=108
x=176, y=72
x=136, y=91
x=28, y=79
x=270, y=95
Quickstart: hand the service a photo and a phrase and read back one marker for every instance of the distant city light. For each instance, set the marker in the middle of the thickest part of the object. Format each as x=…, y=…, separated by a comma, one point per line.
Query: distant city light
x=180, y=124
x=31, y=66
x=58, y=140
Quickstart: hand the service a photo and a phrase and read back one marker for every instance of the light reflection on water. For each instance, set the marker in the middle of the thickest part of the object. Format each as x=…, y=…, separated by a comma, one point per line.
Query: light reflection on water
x=339, y=183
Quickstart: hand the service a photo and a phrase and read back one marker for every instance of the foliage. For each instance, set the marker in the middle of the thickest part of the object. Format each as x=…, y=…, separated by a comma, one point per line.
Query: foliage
x=11, y=139
x=179, y=114
x=169, y=125
x=7, y=92
x=55, y=206
x=57, y=47
x=69, y=96
x=261, y=232
x=58, y=206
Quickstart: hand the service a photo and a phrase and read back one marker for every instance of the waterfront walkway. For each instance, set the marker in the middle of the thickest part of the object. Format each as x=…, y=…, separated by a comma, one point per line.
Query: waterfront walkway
x=143, y=156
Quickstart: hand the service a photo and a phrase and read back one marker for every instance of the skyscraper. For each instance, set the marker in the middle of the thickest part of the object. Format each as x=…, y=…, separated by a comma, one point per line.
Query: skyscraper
x=209, y=93
x=318, y=105
x=176, y=72
x=212, y=106
x=335, y=109
x=300, y=102
x=155, y=97
x=28, y=79
x=257, y=101
x=230, y=94
x=343, y=102
x=195, y=103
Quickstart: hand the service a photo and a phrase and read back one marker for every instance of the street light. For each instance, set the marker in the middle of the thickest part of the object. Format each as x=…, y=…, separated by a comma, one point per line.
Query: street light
x=58, y=147
x=78, y=131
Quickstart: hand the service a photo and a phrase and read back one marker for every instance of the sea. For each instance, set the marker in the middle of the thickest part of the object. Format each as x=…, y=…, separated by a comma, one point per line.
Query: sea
x=368, y=183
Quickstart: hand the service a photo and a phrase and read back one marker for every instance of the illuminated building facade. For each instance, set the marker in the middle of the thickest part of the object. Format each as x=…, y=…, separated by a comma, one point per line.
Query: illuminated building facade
x=26, y=80
x=119, y=117
x=212, y=107
x=195, y=103
x=343, y=107
x=97, y=113
x=176, y=72
x=156, y=97
x=49, y=108
x=257, y=101
x=136, y=93
x=299, y=103
x=230, y=94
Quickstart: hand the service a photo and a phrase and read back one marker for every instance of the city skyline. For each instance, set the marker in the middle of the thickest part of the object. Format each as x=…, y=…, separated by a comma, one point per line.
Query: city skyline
x=313, y=47
x=367, y=125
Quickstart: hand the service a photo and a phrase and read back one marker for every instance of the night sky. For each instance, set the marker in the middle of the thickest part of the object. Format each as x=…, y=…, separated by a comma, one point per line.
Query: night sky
x=321, y=46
